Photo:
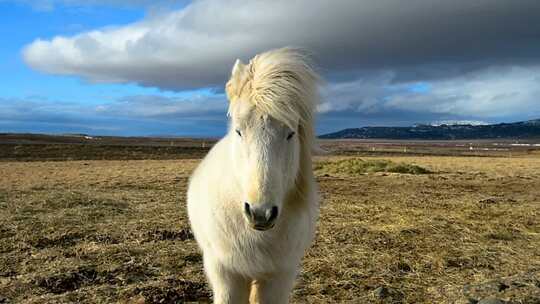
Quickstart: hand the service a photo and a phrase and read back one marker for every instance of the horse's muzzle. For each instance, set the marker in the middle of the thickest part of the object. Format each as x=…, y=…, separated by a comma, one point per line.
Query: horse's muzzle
x=261, y=218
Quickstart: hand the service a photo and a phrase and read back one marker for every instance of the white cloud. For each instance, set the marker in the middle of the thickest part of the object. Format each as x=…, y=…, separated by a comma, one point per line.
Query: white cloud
x=492, y=92
x=131, y=115
x=364, y=94
x=137, y=106
x=155, y=106
x=487, y=93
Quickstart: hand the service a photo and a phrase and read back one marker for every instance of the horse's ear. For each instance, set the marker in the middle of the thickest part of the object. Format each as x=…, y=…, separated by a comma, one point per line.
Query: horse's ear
x=238, y=67
x=233, y=85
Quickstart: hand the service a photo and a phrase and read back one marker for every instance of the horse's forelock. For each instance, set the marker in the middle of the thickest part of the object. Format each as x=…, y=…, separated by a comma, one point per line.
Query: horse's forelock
x=282, y=84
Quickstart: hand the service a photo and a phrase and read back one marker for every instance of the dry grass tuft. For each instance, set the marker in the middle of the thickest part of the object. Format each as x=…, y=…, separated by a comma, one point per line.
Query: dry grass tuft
x=355, y=166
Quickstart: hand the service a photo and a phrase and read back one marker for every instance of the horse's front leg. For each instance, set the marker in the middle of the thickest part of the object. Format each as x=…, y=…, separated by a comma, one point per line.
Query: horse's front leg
x=276, y=289
x=227, y=287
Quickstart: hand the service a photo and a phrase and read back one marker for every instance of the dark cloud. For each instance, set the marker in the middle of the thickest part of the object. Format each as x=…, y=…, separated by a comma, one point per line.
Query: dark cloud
x=195, y=47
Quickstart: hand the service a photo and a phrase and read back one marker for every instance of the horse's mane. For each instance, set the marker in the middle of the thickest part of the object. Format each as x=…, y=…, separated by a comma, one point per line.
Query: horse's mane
x=281, y=83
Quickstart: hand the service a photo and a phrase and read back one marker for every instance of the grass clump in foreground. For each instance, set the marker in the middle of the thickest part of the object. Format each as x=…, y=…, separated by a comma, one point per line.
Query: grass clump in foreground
x=354, y=166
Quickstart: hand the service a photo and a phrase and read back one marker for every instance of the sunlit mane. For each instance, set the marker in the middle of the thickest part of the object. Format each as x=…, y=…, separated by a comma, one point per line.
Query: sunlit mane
x=282, y=84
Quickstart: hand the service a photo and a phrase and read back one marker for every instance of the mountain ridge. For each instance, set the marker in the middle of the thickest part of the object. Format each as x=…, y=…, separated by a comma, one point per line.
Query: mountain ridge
x=516, y=130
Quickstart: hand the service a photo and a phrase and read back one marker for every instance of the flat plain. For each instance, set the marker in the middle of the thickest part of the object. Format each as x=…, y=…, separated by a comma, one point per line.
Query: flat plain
x=86, y=230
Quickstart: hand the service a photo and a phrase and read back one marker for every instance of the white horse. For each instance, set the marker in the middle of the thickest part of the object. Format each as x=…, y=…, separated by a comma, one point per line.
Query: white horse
x=252, y=202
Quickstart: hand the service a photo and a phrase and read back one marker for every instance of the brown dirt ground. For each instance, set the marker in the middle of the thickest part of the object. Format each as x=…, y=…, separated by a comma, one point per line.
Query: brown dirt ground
x=117, y=231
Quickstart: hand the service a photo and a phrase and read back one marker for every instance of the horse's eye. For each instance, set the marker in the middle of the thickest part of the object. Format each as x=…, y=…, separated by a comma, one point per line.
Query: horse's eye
x=239, y=133
x=290, y=135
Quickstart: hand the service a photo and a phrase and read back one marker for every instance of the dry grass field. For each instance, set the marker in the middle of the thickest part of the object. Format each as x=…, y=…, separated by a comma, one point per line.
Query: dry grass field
x=116, y=231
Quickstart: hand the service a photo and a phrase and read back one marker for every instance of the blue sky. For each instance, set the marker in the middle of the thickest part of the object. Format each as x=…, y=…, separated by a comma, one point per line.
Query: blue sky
x=158, y=67
x=20, y=84
x=22, y=24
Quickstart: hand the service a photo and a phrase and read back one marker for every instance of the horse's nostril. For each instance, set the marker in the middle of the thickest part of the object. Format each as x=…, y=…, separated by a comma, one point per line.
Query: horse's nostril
x=272, y=214
x=247, y=210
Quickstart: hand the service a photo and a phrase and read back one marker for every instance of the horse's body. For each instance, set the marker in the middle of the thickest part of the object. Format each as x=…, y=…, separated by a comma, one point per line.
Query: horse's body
x=252, y=202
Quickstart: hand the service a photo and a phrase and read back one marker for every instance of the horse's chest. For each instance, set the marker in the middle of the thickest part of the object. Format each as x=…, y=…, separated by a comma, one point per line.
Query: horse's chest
x=258, y=255
x=252, y=251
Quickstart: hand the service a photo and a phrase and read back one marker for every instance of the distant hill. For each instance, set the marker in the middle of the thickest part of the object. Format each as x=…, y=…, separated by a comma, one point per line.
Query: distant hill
x=517, y=130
